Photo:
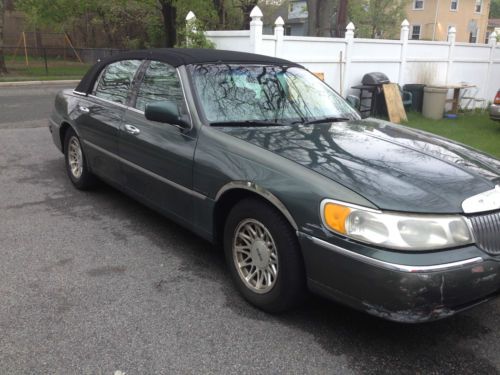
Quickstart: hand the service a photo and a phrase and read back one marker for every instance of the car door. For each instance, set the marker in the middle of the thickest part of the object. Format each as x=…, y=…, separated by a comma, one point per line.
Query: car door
x=101, y=114
x=158, y=157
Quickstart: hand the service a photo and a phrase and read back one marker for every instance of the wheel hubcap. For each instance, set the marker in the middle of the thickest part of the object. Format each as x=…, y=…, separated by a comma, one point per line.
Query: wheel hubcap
x=75, y=158
x=255, y=256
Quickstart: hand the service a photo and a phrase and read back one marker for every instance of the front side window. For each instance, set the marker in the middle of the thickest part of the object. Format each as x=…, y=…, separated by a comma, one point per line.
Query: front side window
x=160, y=83
x=415, y=32
x=268, y=93
x=454, y=5
x=115, y=81
x=418, y=4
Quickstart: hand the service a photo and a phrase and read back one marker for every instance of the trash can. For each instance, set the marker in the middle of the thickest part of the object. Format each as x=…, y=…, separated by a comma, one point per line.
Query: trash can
x=434, y=102
x=417, y=93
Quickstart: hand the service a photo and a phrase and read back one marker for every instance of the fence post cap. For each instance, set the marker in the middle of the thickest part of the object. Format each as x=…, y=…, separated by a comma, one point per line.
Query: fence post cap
x=493, y=35
x=452, y=30
x=350, y=27
x=279, y=21
x=256, y=12
x=405, y=23
x=190, y=16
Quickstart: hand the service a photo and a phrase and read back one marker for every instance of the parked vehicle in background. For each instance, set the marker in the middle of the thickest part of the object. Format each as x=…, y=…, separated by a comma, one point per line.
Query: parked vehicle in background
x=495, y=107
x=260, y=156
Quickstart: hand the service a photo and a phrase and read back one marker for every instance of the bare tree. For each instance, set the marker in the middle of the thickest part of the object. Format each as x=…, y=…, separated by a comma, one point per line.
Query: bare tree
x=320, y=16
x=3, y=67
x=169, y=16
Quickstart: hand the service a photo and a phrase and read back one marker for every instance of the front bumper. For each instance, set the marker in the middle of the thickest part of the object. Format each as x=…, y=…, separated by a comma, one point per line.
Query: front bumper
x=432, y=288
x=495, y=112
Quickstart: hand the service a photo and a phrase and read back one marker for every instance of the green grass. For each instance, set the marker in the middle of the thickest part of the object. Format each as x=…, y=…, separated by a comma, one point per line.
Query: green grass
x=57, y=68
x=473, y=129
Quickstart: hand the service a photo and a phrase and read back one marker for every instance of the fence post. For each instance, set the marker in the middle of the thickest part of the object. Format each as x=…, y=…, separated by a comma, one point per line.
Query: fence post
x=452, y=33
x=405, y=30
x=279, y=32
x=256, y=29
x=492, y=42
x=349, y=41
x=45, y=60
x=190, y=26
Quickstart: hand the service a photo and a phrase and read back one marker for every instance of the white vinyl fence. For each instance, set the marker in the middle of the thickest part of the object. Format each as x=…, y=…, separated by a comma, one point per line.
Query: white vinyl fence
x=344, y=61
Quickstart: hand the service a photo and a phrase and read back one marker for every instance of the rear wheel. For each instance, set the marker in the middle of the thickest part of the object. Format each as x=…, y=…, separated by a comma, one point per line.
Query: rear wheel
x=264, y=257
x=76, y=163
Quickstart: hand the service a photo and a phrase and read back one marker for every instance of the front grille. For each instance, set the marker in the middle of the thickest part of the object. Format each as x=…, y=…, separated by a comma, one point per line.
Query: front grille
x=486, y=230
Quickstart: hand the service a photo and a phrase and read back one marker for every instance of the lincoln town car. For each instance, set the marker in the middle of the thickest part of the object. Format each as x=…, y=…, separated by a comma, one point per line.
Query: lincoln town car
x=263, y=159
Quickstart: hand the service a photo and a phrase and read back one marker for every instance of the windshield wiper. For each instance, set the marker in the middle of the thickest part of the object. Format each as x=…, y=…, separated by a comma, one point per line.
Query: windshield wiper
x=247, y=123
x=326, y=119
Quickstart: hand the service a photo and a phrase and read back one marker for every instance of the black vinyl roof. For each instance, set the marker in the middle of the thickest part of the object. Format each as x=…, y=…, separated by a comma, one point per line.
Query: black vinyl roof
x=177, y=57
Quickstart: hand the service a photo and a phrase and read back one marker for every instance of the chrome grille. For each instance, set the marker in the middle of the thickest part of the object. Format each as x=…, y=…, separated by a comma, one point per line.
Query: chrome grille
x=486, y=230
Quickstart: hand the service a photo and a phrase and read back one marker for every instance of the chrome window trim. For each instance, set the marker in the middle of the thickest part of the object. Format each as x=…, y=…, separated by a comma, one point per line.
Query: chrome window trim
x=79, y=93
x=108, y=101
x=184, y=96
x=392, y=266
x=247, y=185
x=146, y=171
x=476, y=203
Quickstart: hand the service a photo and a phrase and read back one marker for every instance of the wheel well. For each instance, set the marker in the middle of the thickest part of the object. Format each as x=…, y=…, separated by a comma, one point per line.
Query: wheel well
x=62, y=133
x=224, y=205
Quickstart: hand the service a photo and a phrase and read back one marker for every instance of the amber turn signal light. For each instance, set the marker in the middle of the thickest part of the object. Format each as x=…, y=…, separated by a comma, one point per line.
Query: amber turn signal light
x=335, y=216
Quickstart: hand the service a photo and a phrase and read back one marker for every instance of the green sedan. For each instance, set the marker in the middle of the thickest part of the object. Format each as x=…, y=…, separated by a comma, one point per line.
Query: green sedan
x=260, y=157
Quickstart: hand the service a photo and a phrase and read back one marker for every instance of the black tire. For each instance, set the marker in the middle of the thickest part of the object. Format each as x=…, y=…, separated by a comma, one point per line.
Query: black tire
x=289, y=287
x=85, y=180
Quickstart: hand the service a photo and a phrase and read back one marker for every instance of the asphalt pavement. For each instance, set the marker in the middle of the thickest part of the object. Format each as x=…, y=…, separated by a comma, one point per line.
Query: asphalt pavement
x=95, y=283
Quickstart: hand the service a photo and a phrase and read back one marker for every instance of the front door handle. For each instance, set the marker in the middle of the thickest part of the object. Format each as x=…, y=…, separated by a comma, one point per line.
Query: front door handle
x=131, y=129
x=83, y=109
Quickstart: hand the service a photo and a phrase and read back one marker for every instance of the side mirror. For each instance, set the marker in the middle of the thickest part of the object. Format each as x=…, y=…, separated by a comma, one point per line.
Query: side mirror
x=165, y=111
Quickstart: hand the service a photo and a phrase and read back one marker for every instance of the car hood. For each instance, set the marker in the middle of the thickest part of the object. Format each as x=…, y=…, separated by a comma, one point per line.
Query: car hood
x=394, y=167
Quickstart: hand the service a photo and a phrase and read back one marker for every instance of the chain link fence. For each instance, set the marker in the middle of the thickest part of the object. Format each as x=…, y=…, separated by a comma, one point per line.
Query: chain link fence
x=39, y=63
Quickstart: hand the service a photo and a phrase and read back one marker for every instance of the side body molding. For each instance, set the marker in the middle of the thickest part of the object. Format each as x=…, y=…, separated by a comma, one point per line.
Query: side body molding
x=247, y=185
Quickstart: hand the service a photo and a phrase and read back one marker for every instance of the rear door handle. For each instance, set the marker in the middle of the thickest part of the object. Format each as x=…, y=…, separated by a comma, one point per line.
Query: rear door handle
x=131, y=129
x=83, y=109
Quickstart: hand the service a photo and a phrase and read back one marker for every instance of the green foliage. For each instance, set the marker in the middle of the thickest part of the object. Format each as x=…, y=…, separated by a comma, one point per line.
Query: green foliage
x=495, y=9
x=377, y=18
x=193, y=36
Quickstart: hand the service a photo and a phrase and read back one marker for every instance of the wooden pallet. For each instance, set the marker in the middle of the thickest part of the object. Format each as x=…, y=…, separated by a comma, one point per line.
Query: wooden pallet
x=394, y=103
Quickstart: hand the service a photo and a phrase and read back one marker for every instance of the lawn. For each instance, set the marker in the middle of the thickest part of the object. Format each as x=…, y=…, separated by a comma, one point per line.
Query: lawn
x=57, y=68
x=476, y=130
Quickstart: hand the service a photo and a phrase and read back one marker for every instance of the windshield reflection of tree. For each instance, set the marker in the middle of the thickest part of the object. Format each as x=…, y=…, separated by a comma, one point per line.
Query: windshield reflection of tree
x=232, y=93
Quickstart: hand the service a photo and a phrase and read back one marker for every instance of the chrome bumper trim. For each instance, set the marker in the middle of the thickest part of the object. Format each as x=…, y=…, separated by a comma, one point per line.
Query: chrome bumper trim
x=393, y=266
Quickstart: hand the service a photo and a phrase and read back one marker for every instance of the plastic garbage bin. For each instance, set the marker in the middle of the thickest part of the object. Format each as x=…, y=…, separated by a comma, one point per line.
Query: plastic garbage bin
x=417, y=92
x=434, y=102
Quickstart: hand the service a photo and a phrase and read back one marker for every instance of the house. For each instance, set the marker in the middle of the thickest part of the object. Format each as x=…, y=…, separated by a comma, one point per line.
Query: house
x=431, y=19
x=294, y=13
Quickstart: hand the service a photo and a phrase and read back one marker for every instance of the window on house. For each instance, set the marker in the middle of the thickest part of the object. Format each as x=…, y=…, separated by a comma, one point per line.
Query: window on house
x=473, y=36
x=487, y=37
x=418, y=4
x=478, y=6
x=288, y=30
x=454, y=5
x=415, y=32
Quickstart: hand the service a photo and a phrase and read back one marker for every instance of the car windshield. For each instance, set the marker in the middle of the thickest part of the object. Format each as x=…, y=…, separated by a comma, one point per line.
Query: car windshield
x=233, y=94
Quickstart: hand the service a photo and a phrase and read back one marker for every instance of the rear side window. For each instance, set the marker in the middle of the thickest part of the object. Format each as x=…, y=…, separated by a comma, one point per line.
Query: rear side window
x=160, y=83
x=115, y=81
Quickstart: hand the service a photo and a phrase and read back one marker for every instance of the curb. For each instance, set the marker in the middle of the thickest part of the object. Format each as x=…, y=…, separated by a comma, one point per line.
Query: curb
x=39, y=83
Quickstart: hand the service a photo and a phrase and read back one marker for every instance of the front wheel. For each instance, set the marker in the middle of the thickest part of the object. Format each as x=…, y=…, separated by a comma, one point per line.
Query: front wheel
x=264, y=256
x=76, y=163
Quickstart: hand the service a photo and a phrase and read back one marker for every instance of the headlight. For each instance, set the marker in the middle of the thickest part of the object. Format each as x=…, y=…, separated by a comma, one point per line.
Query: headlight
x=395, y=230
